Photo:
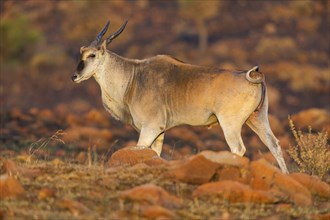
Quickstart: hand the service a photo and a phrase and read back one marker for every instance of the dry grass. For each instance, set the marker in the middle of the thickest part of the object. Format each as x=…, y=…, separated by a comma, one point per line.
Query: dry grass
x=311, y=152
x=43, y=144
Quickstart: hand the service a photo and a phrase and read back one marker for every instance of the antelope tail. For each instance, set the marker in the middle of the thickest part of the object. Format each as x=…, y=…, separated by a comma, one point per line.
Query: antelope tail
x=256, y=78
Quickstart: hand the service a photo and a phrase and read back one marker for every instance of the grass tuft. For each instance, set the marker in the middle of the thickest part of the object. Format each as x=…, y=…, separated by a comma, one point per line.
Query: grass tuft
x=42, y=144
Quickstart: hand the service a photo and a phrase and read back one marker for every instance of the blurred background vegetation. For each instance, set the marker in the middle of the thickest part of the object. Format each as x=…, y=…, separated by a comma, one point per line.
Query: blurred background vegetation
x=40, y=41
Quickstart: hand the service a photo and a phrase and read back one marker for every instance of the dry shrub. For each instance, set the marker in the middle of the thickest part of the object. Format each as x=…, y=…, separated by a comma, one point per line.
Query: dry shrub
x=311, y=152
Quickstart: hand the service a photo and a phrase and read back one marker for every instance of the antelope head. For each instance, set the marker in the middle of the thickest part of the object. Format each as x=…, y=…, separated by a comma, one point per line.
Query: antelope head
x=92, y=56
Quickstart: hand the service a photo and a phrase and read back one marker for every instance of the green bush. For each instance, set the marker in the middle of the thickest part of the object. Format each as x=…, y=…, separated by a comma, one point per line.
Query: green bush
x=18, y=37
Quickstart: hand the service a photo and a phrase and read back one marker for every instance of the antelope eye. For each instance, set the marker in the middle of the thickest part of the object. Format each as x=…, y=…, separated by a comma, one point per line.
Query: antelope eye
x=91, y=56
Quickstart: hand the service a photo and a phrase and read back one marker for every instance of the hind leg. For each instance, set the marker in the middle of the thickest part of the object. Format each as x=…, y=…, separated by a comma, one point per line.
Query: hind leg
x=258, y=122
x=232, y=132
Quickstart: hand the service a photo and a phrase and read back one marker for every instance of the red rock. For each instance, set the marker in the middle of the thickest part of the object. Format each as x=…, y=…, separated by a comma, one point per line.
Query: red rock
x=268, y=156
x=225, y=158
x=131, y=156
x=173, y=164
x=203, y=166
x=265, y=176
x=314, y=184
x=151, y=194
x=234, y=192
x=10, y=187
x=234, y=174
x=76, y=208
x=45, y=193
x=229, y=173
x=196, y=170
x=157, y=212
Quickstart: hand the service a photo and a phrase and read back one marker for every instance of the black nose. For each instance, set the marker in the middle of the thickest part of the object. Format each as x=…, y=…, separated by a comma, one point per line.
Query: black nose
x=74, y=77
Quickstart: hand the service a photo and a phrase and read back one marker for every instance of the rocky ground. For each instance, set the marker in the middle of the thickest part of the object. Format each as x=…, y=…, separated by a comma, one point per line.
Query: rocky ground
x=63, y=157
x=58, y=165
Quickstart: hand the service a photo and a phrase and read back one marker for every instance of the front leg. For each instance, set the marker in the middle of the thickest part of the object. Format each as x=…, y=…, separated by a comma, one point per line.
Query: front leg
x=148, y=135
x=158, y=144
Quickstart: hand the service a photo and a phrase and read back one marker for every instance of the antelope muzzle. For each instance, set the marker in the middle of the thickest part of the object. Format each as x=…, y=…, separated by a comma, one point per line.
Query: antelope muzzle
x=74, y=77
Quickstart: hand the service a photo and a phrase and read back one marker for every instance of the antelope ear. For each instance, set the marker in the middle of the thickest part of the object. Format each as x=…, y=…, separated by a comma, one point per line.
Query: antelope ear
x=103, y=47
x=82, y=49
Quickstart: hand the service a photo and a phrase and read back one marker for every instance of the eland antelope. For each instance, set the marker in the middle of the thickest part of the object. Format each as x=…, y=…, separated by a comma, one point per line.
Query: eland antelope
x=161, y=92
